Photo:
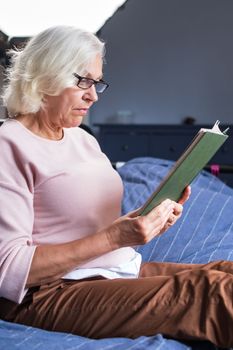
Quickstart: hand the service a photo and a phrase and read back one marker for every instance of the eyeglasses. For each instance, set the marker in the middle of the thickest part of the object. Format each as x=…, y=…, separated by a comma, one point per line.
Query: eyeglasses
x=86, y=83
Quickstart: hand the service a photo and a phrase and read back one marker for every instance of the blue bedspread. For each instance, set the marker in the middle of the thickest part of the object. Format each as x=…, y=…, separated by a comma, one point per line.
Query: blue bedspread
x=204, y=233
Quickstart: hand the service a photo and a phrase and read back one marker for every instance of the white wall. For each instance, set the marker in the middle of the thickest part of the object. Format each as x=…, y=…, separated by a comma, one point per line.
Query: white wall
x=168, y=59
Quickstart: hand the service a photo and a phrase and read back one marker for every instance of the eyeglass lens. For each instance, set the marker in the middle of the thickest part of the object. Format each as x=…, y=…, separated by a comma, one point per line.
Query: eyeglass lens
x=86, y=83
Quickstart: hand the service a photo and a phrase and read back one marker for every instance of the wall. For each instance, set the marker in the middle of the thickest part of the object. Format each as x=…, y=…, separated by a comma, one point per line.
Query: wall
x=2, y=109
x=166, y=60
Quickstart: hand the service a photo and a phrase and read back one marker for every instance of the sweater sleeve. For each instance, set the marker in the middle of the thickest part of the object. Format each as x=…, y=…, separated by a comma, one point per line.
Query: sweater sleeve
x=16, y=224
x=16, y=251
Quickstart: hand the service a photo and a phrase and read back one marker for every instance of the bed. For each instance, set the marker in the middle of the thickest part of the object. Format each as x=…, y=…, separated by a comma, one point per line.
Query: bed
x=203, y=234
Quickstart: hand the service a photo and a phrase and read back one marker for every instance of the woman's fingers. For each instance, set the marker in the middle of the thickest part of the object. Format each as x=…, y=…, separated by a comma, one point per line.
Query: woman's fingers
x=162, y=211
x=185, y=195
x=178, y=208
x=159, y=217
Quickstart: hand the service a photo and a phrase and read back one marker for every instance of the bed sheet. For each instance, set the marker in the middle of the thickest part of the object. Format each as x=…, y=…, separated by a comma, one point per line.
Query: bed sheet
x=16, y=336
x=205, y=231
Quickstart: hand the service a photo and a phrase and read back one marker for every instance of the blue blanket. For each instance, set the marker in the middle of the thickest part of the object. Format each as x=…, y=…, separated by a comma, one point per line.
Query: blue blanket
x=204, y=233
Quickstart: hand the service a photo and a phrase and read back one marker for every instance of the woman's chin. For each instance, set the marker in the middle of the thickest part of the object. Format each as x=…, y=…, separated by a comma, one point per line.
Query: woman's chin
x=76, y=121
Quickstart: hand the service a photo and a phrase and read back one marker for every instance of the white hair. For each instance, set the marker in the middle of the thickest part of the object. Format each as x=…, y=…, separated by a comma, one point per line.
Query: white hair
x=46, y=66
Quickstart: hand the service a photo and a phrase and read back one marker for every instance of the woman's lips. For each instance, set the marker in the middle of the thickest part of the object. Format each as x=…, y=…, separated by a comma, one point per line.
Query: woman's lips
x=80, y=111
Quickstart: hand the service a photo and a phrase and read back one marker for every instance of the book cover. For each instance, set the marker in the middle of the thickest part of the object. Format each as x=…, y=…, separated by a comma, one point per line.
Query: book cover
x=202, y=148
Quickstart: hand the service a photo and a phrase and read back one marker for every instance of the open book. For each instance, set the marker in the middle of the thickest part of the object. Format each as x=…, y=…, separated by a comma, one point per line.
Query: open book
x=202, y=148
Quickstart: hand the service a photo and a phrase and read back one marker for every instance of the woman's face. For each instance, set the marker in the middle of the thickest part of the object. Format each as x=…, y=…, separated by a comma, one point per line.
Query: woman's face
x=70, y=107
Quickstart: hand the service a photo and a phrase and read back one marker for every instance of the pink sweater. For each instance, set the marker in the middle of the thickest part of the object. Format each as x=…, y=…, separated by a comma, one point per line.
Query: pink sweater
x=52, y=192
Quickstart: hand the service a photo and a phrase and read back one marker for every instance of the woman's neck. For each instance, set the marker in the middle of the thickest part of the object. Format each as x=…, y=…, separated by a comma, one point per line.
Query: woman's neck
x=40, y=127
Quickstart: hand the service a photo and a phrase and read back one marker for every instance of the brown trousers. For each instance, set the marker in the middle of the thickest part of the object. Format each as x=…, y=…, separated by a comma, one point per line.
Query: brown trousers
x=182, y=301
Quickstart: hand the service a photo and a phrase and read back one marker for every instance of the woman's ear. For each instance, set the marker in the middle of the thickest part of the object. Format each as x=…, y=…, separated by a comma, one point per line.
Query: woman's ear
x=44, y=101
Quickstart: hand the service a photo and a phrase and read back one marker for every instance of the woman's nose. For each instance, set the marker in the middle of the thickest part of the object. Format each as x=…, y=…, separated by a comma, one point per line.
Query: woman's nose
x=92, y=93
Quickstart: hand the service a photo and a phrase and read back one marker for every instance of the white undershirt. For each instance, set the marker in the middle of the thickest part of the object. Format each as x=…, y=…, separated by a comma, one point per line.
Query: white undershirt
x=127, y=270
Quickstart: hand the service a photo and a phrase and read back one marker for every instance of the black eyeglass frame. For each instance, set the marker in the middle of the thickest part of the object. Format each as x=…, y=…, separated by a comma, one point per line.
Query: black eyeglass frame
x=97, y=83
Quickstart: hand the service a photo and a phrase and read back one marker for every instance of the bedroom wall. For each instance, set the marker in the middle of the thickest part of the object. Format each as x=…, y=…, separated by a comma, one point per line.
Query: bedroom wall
x=2, y=109
x=166, y=60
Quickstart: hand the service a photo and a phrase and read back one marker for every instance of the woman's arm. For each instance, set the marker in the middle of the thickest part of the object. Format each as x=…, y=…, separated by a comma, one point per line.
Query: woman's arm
x=51, y=262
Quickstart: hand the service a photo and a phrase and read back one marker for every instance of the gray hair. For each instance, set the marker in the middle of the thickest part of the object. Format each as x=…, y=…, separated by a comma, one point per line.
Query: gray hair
x=46, y=66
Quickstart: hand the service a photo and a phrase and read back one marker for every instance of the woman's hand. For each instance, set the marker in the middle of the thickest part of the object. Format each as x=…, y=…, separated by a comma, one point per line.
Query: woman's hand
x=132, y=229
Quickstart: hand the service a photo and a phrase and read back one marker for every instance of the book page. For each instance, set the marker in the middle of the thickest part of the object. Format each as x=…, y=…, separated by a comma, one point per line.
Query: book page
x=215, y=129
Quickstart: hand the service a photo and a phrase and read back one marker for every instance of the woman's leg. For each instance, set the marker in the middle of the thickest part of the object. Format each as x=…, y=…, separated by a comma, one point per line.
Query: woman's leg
x=169, y=268
x=191, y=304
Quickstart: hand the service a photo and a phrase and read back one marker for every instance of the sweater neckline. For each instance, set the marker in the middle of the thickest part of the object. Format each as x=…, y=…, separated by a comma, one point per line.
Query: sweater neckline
x=37, y=136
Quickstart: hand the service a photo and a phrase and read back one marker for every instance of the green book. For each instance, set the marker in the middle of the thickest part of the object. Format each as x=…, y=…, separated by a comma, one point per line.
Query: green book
x=202, y=148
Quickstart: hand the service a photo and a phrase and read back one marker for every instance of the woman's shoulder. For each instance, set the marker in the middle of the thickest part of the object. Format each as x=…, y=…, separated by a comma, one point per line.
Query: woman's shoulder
x=8, y=131
x=9, y=128
x=15, y=141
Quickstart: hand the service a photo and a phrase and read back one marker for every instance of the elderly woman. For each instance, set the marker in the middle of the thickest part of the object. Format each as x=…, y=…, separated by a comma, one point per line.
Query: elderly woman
x=67, y=261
